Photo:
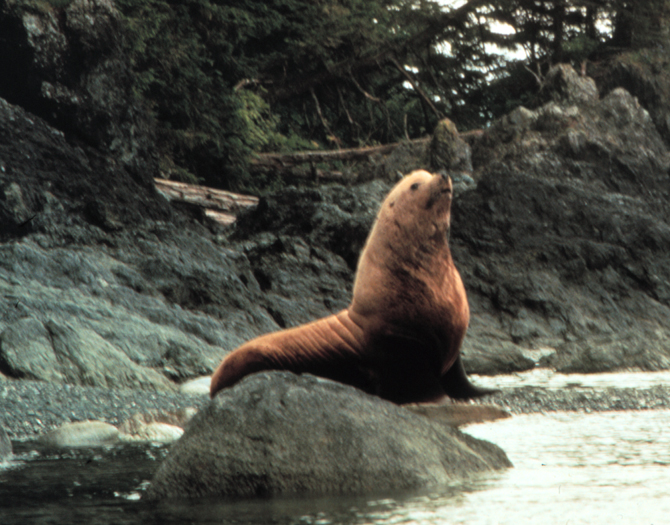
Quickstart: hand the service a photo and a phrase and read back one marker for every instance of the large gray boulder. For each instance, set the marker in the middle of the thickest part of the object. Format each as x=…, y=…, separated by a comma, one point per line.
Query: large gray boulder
x=279, y=433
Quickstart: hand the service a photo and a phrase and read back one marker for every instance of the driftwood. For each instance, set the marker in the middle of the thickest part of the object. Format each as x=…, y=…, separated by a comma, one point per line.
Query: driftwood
x=224, y=206
x=219, y=205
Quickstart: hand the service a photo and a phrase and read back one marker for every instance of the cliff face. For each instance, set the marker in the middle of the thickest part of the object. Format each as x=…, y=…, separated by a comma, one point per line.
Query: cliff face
x=561, y=230
x=66, y=65
x=564, y=241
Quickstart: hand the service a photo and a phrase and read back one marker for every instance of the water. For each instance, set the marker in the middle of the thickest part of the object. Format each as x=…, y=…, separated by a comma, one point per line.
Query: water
x=570, y=468
x=546, y=378
x=611, y=467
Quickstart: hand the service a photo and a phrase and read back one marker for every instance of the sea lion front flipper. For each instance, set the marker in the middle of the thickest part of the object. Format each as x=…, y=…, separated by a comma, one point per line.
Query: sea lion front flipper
x=456, y=384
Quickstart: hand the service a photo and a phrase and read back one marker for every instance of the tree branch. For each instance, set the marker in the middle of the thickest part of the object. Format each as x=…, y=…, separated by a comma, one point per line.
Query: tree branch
x=375, y=59
x=416, y=87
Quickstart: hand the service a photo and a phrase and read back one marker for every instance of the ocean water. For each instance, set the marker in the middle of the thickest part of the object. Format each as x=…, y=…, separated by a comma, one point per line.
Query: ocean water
x=569, y=468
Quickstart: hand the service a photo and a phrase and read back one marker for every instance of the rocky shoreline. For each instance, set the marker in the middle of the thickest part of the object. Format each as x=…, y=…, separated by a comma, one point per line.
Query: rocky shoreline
x=30, y=408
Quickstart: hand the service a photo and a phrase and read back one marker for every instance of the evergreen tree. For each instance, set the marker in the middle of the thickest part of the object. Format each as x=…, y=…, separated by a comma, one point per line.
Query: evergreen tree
x=227, y=79
x=641, y=23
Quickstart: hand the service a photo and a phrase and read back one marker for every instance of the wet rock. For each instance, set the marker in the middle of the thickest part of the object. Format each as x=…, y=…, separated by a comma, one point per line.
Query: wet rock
x=278, y=433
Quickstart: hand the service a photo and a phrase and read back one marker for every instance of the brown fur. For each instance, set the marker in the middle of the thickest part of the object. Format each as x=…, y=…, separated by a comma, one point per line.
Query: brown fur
x=400, y=337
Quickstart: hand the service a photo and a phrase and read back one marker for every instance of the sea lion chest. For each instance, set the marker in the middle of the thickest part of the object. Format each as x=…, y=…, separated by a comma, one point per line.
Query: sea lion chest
x=422, y=303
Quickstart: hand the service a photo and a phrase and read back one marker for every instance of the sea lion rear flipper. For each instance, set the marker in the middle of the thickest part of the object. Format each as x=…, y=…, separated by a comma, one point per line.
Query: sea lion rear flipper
x=456, y=384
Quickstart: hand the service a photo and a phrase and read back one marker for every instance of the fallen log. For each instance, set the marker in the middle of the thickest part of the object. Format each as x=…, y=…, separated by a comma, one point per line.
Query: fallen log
x=287, y=160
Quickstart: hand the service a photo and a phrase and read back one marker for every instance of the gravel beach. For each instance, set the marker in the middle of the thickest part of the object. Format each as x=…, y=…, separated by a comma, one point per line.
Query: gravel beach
x=30, y=408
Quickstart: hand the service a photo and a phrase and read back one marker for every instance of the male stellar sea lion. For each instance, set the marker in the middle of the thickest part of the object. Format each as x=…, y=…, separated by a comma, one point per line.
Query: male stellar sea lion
x=401, y=335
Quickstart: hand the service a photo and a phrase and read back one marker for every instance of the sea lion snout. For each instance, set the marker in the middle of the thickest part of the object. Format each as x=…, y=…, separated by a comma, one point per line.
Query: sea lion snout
x=447, y=179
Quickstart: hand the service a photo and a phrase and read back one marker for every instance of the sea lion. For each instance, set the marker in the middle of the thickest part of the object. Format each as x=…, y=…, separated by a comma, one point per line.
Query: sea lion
x=401, y=335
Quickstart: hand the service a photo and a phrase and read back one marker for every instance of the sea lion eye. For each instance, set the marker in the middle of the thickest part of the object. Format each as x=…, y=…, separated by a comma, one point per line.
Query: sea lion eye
x=414, y=186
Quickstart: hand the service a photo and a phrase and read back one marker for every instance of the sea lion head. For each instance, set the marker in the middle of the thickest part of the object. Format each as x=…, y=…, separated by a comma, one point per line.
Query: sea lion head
x=409, y=238
x=418, y=208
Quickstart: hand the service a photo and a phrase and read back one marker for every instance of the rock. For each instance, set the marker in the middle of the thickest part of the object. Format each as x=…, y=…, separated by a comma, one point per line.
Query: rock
x=155, y=433
x=67, y=353
x=563, y=243
x=197, y=386
x=303, y=247
x=82, y=434
x=612, y=352
x=564, y=85
x=644, y=79
x=29, y=408
x=87, y=359
x=26, y=351
x=65, y=65
x=138, y=422
x=458, y=414
x=49, y=186
x=82, y=241
x=5, y=445
x=278, y=433
x=448, y=151
x=561, y=231
x=490, y=355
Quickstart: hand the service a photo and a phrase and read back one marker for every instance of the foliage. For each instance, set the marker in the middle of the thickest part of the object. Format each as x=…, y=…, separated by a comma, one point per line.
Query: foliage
x=228, y=79
x=195, y=58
